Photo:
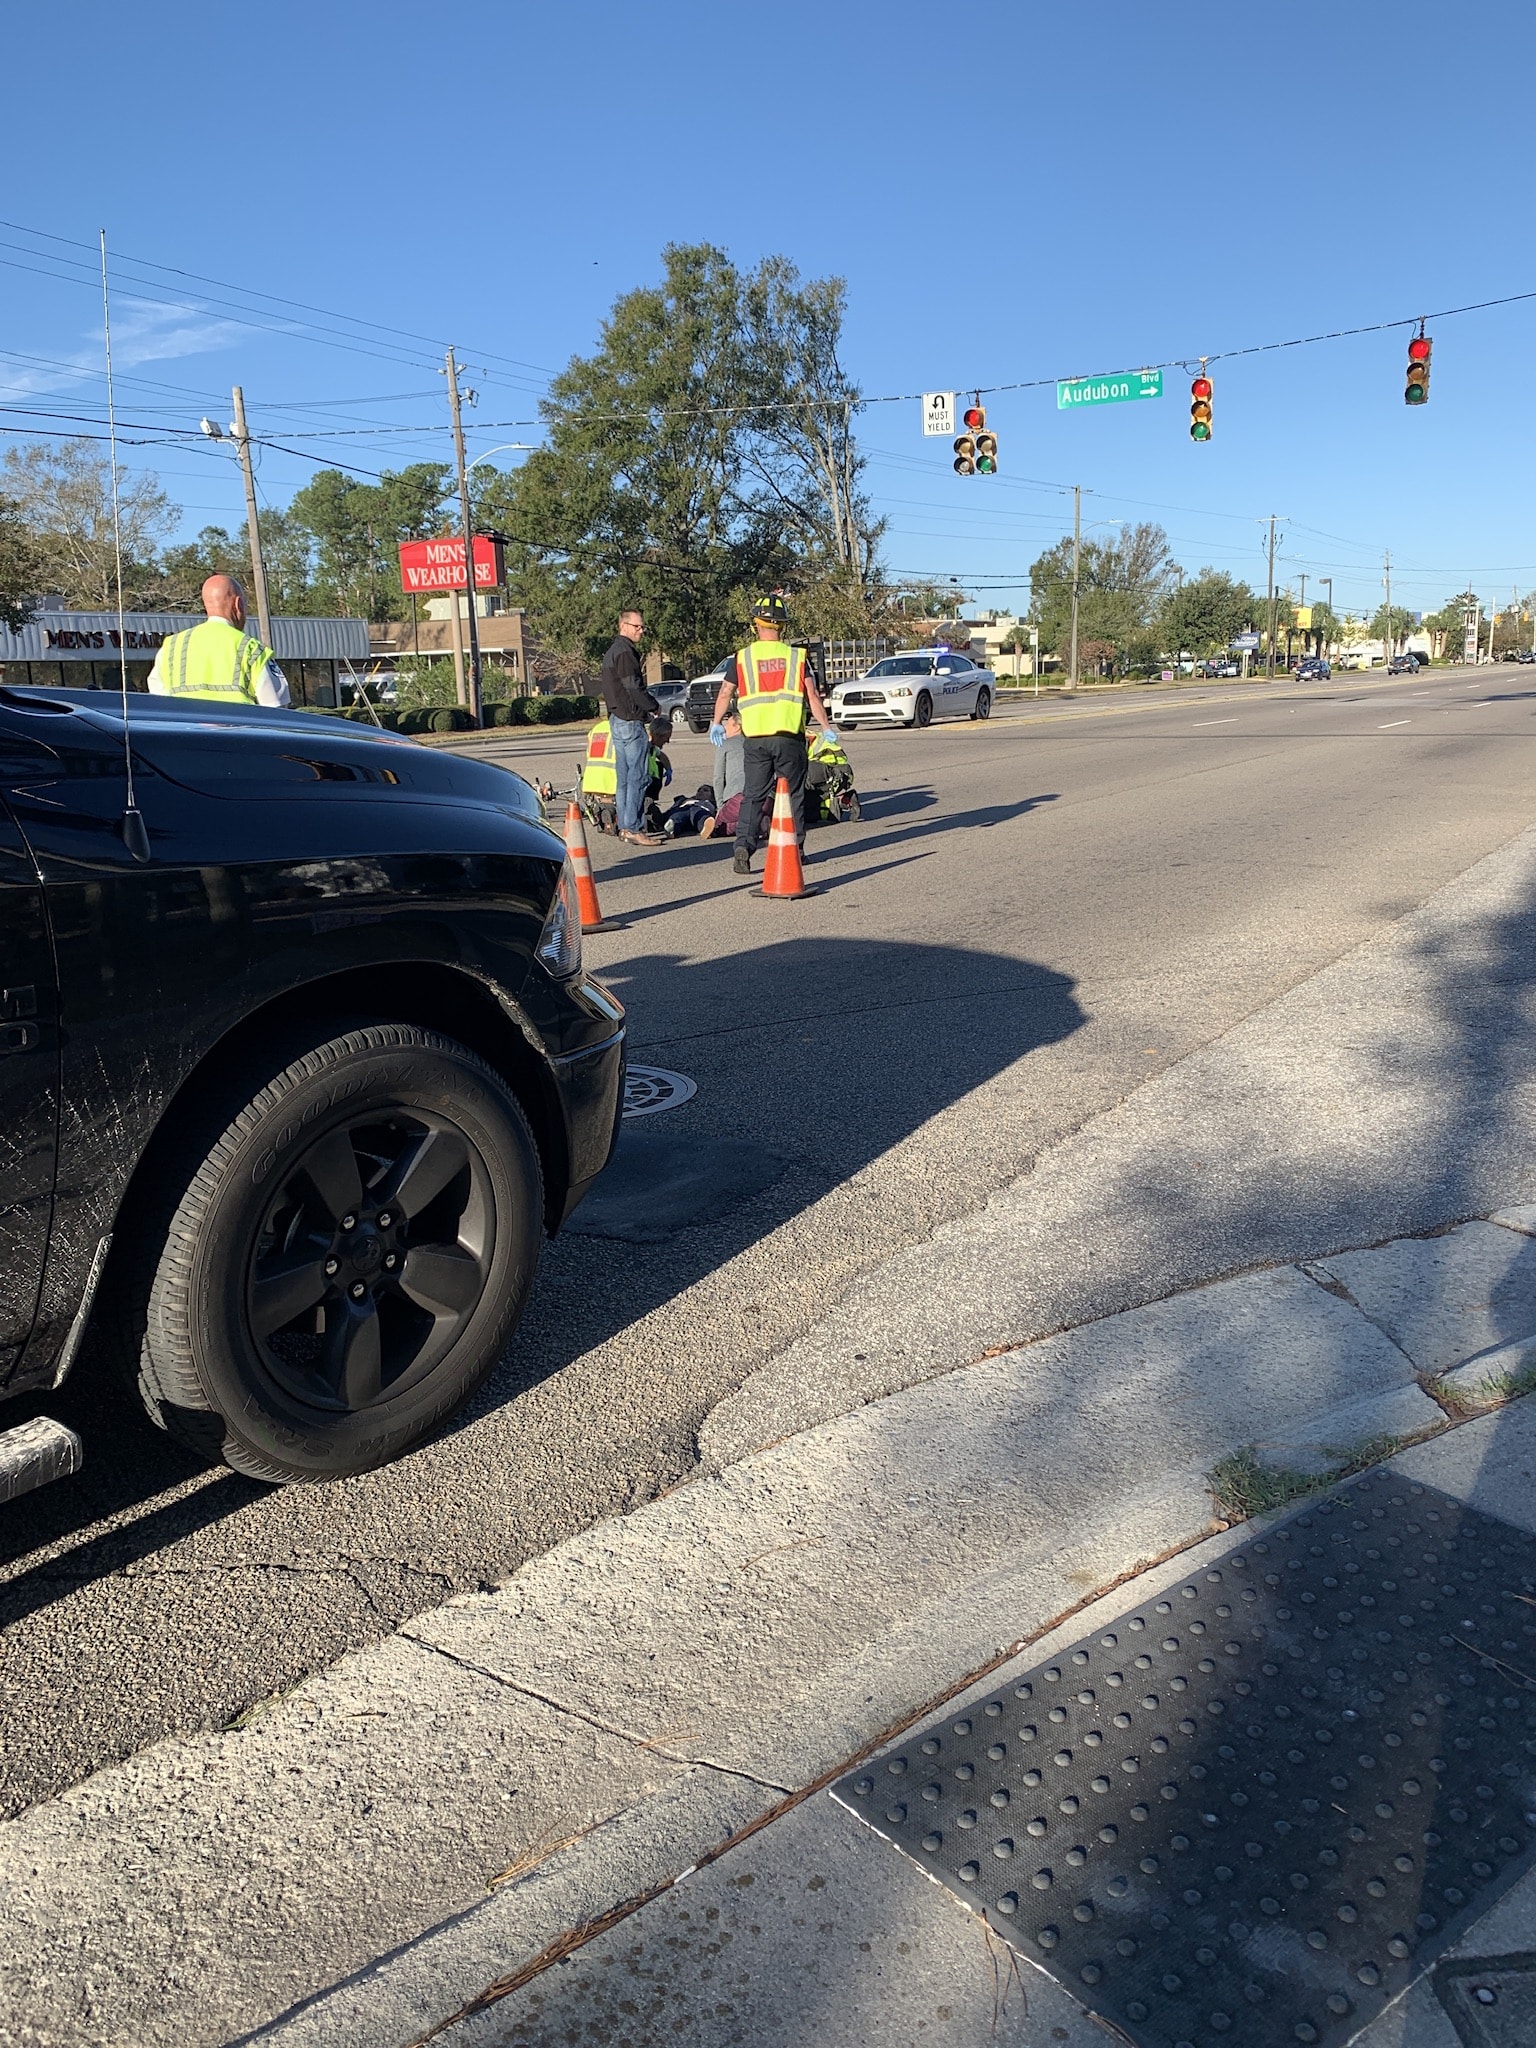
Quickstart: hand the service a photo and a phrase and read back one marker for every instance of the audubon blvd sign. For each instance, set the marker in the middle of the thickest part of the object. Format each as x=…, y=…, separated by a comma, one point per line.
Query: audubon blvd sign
x=1075, y=391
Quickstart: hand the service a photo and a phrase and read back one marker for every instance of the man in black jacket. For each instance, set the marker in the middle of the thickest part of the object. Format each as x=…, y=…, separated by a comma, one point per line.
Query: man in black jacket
x=630, y=705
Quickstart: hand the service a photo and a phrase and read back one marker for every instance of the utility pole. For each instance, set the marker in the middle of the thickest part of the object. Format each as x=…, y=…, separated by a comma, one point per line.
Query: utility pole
x=1077, y=540
x=1269, y=654
x=1387, y=579
x=469, y=544
x=242, y=440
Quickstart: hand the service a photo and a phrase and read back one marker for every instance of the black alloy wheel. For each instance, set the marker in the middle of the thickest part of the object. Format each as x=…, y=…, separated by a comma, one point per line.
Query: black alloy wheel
x=344, y=1258
x=373, y=1254
x=922, y=710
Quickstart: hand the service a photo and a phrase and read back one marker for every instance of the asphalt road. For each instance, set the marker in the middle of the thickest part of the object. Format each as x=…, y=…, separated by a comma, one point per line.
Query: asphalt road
x=1034, y=917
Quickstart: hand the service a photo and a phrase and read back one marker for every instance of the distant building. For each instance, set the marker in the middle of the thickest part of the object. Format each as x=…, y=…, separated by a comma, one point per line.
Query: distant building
x=82, y=651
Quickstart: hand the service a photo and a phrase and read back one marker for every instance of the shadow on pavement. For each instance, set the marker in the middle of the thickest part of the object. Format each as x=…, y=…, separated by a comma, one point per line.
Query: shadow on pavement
x=483, y=1495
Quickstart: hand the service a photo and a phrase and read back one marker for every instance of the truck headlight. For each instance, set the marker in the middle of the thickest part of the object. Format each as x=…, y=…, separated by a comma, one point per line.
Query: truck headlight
x=559, y=947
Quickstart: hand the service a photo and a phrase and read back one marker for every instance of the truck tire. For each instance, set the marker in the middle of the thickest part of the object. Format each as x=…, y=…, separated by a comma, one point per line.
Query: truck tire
x=345, y=1265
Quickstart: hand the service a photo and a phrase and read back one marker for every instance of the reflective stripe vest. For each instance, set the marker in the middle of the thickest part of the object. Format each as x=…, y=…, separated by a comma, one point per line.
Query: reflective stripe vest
x=599, y=775
x=770, y=688
x=214, y=659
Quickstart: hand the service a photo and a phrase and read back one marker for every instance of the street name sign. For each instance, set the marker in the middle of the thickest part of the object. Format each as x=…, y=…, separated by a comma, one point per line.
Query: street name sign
x=939, y=413
x=1072, y=392
x=439, y=564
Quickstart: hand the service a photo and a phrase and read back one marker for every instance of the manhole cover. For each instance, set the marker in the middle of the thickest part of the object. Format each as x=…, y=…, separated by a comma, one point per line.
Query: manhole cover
x=1252, y=1810
x=649, y=1090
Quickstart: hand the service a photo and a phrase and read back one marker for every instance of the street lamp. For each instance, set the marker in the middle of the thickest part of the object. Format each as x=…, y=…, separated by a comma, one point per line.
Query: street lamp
x=502, y=450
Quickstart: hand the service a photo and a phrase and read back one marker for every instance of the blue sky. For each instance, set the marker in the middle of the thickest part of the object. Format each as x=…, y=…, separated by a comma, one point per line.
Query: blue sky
x=1012, y=193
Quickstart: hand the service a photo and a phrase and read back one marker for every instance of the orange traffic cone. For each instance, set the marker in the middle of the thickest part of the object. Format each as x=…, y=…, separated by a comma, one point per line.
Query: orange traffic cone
x=783, y=875
x=581, y=867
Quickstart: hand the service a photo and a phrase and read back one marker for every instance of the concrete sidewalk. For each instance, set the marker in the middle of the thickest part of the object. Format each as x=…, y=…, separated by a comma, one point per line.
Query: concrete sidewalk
x=816, y=1930
x=443, y=1810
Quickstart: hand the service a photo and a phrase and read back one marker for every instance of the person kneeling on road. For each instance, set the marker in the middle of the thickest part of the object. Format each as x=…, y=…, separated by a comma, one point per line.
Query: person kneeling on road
x=773, y=687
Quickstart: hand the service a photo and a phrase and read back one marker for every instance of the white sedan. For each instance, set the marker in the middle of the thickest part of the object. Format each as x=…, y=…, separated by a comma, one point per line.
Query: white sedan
x=915, y=689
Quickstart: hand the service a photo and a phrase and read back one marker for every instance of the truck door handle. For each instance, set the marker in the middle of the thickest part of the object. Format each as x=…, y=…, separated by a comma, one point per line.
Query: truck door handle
x=19, y=1038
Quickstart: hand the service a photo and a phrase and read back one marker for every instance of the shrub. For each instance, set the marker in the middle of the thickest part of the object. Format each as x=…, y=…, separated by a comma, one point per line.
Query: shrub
x=449, y=718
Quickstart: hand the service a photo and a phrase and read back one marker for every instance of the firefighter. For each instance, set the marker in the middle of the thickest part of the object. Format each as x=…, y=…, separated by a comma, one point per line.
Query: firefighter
x=774, y=688
x=600, y=779
x=219, y=659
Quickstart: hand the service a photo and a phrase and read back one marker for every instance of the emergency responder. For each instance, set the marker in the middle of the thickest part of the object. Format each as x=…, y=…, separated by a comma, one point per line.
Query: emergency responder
x=600, y=779
x=773, y=687
x=219, y=658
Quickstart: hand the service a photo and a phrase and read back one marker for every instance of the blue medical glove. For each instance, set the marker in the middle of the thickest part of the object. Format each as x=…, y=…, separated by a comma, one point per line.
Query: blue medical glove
x=717, y=735
x=829, y=734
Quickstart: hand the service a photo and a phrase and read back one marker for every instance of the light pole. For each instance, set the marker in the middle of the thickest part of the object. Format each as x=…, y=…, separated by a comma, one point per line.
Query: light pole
x=1327, y=583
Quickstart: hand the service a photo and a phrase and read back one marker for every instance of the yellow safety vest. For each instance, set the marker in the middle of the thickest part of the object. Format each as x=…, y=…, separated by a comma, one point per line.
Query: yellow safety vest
x=770, y=688
x=599, y=775
x=214, y=659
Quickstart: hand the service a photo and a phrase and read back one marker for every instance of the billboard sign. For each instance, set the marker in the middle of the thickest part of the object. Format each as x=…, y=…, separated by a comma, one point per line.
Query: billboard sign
x=432, y=565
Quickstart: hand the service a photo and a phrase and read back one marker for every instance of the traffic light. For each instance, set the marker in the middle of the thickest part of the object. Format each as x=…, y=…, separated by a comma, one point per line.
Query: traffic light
x=1200, y=408
x=1416, y=391
x=975, y=449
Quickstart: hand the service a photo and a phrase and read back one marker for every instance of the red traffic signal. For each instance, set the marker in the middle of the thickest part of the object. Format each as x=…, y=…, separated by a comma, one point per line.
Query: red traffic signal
x=975, y=449
x=1416, y=390
x=1200, y=393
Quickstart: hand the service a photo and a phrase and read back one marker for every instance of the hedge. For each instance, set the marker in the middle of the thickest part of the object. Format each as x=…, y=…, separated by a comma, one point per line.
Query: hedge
x=454, y=718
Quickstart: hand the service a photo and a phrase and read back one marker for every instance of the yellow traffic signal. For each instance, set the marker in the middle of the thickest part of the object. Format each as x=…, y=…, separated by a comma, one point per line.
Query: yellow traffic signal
x=1416, y=390
x=976, y=449
x=1200, y=394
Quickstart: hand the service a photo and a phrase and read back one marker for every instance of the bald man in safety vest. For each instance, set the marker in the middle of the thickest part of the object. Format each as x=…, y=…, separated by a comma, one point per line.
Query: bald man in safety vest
x=219, y=659
x=773, y=688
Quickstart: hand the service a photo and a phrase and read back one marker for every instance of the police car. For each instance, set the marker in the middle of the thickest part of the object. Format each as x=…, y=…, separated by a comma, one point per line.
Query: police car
x=915, y=689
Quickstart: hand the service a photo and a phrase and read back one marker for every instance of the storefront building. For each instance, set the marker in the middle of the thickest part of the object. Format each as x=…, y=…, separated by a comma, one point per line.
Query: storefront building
x=82, y=651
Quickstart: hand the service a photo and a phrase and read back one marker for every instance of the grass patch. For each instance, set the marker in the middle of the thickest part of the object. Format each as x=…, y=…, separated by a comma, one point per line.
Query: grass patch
x=1244, y=1487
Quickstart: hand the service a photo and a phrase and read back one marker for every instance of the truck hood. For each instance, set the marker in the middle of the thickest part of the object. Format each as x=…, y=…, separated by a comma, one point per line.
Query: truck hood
x=250, y=752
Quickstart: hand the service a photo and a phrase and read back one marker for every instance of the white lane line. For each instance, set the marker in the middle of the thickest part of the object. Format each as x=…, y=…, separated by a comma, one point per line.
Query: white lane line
x=1216, y=721
x=1390, y=723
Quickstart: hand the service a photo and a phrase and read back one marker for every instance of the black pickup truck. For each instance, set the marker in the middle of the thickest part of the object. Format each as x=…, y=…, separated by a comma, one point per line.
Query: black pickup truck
x=294, y=1076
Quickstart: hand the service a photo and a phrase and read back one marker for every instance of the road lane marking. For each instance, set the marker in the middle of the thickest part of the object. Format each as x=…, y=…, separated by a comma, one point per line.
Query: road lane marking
x=1390, y=723
x=1217, y=721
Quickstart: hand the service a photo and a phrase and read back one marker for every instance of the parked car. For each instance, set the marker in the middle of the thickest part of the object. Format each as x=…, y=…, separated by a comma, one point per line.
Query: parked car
x=1403, y=665
x=1313, y=670
x=670, y=699
x=294, y=1076
x=914, y=690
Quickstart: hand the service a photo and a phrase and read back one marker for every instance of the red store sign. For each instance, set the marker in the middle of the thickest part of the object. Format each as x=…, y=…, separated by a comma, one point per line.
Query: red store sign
x=439, y=564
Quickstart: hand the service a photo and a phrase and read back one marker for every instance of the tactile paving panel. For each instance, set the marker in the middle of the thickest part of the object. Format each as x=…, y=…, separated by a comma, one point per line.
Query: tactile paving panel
x=1251, y=1811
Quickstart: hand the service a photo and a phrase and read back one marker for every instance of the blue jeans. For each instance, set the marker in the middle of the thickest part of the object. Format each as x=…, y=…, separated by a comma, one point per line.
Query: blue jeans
x=630, y=748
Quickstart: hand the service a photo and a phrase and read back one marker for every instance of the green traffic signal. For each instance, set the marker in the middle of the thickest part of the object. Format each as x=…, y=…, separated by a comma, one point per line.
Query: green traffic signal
x=1200, y=430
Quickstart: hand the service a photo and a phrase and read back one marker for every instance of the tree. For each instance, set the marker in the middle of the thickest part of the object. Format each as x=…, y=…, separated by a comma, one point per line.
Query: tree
x=21, y=568
x=1121, y=584
x=63, y=496
x=1392, y=628
x=343, y=535
x=1205, y=615
x=705, y=450
x=1327, y=626
x=1449, y=623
